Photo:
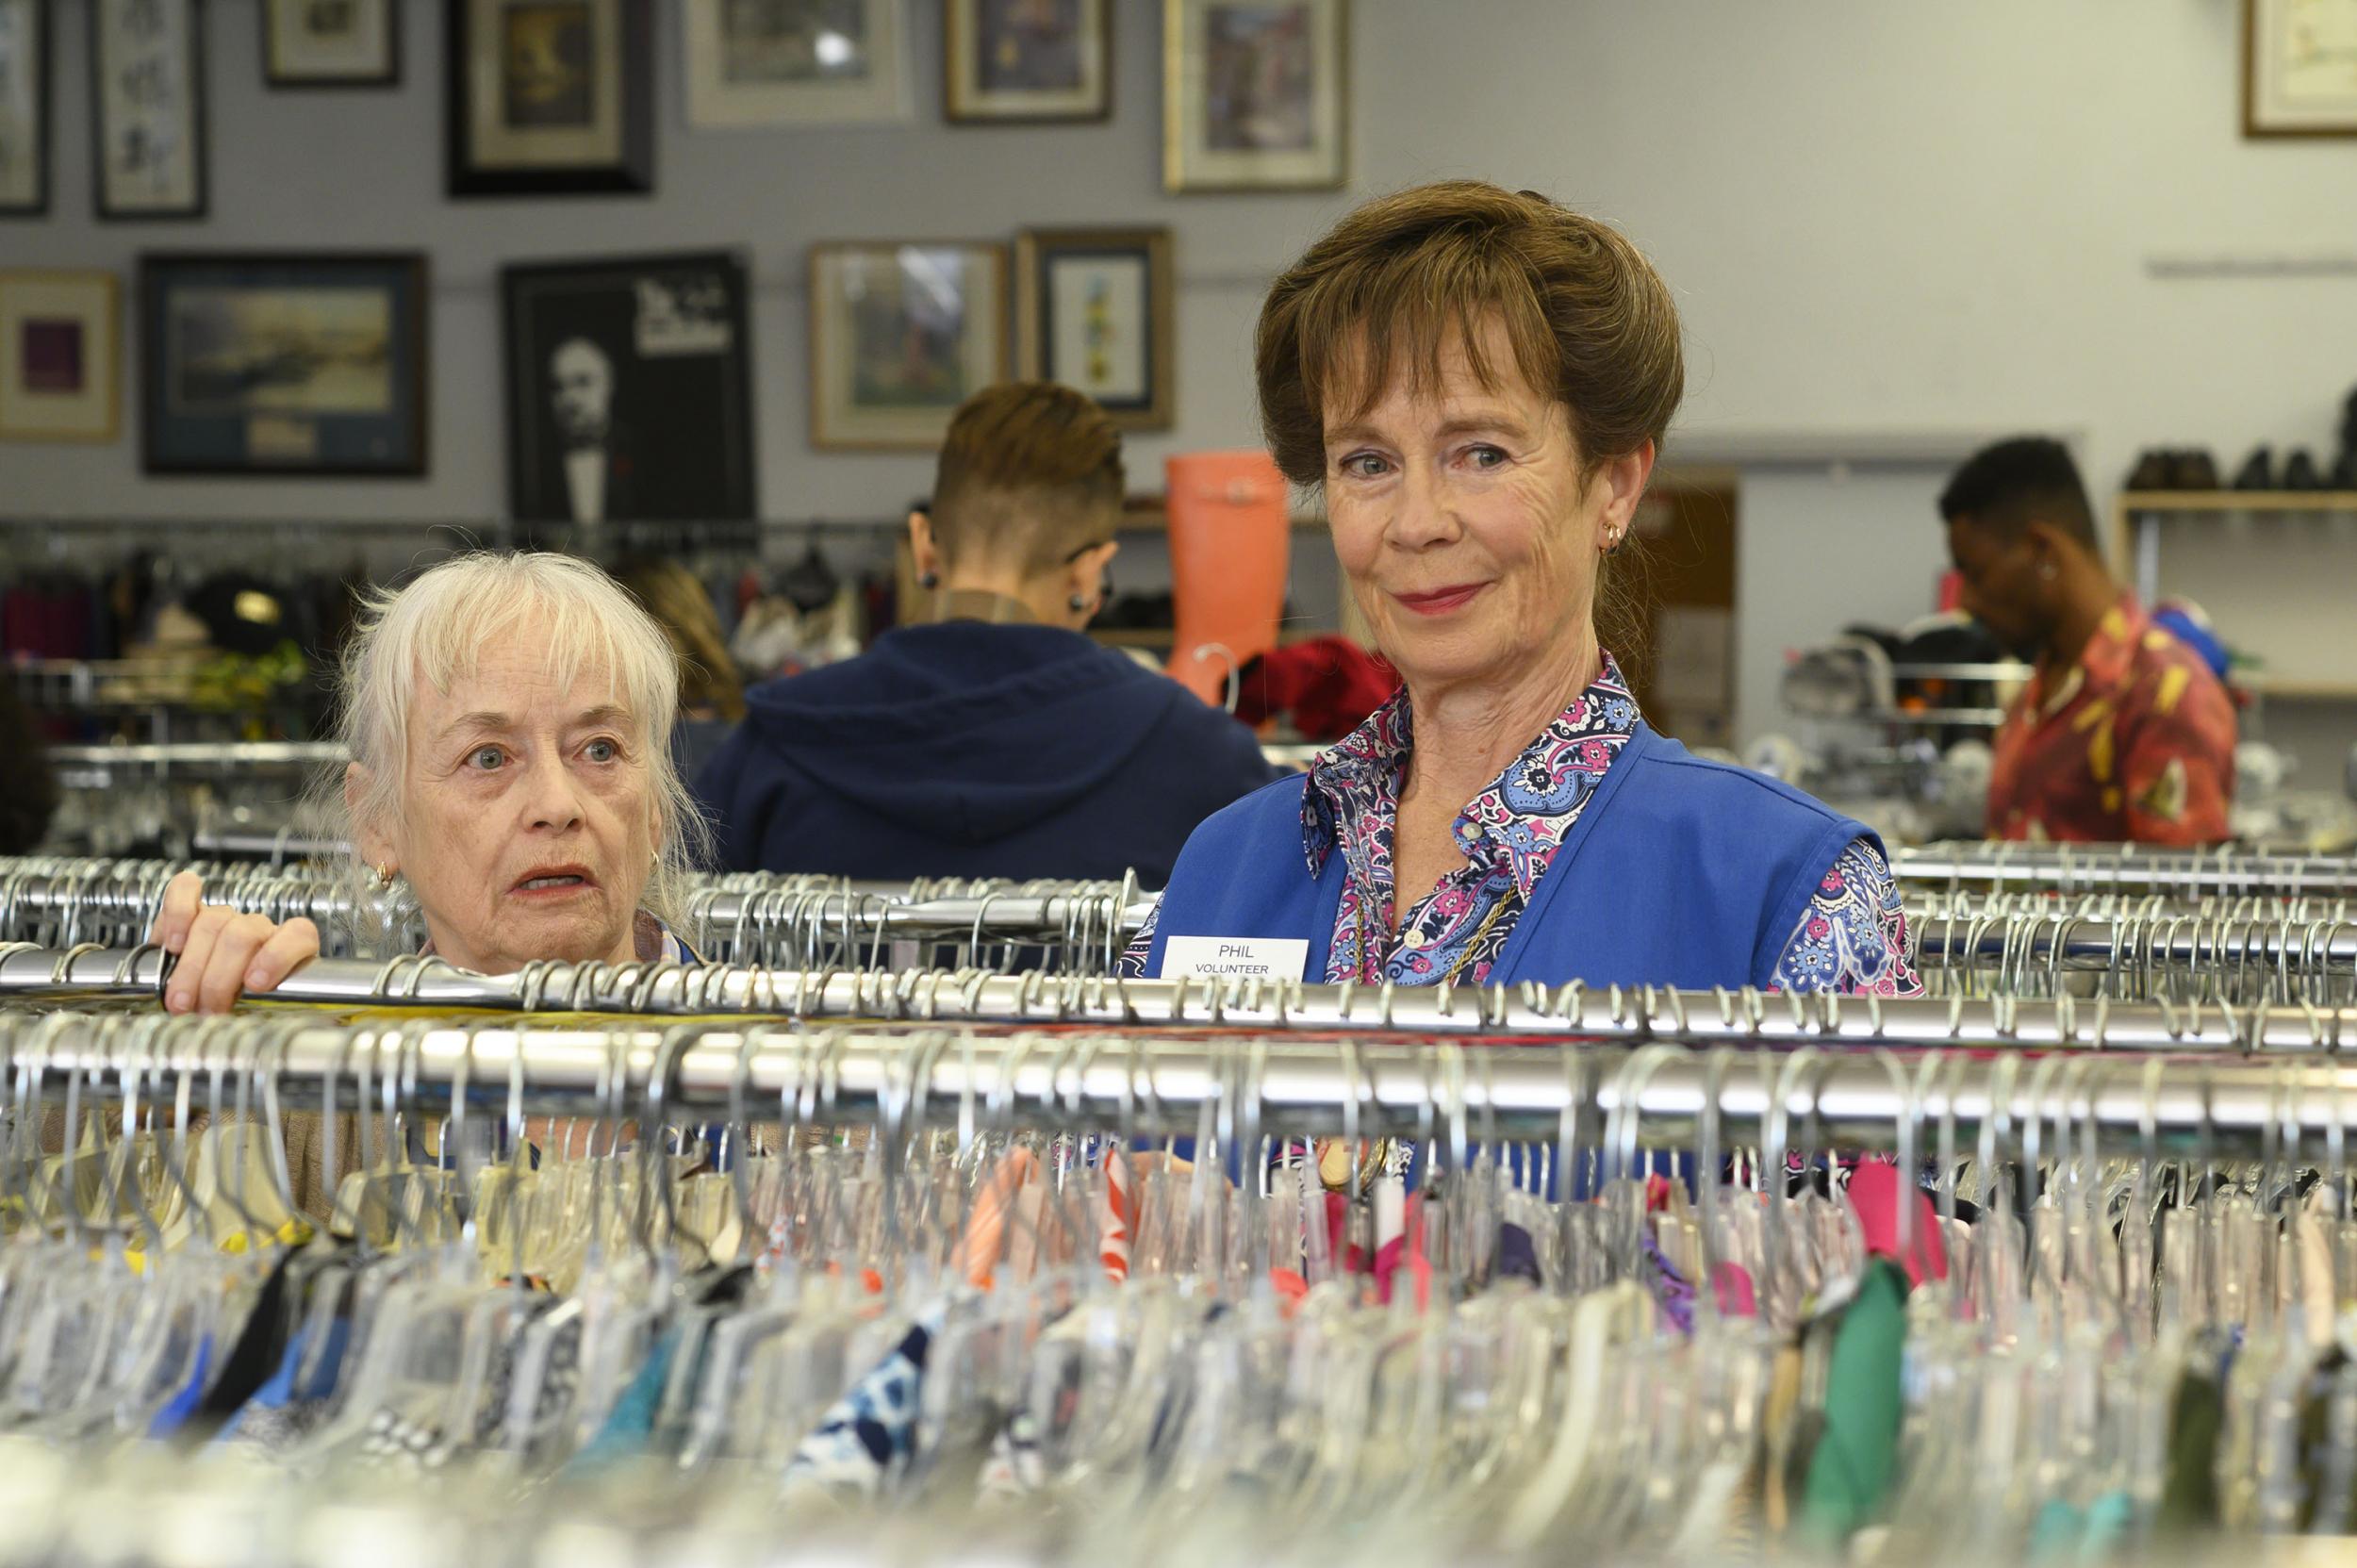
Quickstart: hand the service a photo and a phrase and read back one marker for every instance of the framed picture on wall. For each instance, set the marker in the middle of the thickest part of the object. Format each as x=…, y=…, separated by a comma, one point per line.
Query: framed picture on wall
x=901, y=333
x=296, y=363
x=1093, y=309
x=2299, y=68
x=785, y=62
x=25, y=98
x=331, y=42
x=1011, y=60
x=551, y=97
x=147, y=103
x=59, y=356
x=1255, y=95
x=629, y=388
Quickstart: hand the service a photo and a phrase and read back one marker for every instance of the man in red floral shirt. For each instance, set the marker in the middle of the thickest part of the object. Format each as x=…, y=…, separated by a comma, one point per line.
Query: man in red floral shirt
x=2123, y=735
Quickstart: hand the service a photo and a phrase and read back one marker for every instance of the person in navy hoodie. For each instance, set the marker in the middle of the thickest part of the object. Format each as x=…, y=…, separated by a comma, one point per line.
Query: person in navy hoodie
x=1479, y=381
x=998, y=740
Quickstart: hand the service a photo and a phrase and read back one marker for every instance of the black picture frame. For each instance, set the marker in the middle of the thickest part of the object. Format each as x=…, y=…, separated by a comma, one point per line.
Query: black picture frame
x=631, y=173
x=108, y=209
x=263, y=409
x=661, y=364
x=278, y=79
x=1148, y=335
x=44, y=117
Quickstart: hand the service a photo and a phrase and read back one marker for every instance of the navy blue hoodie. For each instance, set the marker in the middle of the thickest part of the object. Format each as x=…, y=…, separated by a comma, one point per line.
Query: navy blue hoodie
x=975, y=751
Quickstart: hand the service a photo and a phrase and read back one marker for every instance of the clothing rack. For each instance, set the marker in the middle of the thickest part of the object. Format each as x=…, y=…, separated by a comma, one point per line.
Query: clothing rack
x=2123, y=868
x=942, y=997
x=1242, y=1088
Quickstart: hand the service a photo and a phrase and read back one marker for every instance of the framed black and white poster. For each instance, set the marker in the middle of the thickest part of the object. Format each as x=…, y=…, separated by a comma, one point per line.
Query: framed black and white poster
x=787, y=62
x=331, y=42
x=1008, y=61
x=147, y=102
x=24, y=108
x=1255, y=94
x=551, y=97
x=630, y=389
x=899, y=336
x=1093, y=309
x=283, y=363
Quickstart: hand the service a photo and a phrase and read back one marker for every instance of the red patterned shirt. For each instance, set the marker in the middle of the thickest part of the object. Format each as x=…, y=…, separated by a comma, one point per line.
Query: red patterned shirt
x=2135, y=745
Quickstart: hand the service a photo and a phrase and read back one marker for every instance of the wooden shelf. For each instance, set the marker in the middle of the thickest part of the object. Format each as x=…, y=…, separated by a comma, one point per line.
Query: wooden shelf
x=1152, y=639
x=2239, y=501
x=2293, y=689
x=1145, y=514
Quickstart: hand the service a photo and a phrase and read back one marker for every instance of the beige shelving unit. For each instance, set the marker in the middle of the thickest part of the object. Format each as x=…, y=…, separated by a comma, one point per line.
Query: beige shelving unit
x=2277, y=572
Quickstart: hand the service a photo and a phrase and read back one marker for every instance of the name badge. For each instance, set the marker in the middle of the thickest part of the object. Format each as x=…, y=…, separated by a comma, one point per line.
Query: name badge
x=1234, y=957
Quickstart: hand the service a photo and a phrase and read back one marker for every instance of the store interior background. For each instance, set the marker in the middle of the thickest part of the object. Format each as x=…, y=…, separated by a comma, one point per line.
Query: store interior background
x=1895, y=231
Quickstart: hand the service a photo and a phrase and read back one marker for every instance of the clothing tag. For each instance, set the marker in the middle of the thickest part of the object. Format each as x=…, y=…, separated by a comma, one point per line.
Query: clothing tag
x=1236, y=957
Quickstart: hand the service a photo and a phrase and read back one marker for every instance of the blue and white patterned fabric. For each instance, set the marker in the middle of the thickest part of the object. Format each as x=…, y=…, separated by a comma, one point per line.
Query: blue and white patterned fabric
x=869, y=1435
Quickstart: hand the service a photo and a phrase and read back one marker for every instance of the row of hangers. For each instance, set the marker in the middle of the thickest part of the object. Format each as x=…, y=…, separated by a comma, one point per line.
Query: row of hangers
x=978, y=1206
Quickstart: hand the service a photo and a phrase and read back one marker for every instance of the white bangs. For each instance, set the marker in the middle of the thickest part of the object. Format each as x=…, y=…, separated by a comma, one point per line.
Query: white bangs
x=437, y=629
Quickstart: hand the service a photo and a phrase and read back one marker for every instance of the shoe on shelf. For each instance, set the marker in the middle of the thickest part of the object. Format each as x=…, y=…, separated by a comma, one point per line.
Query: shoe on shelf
x=2300, y=472
x=2257, y=471
x=2151, y=471
x=2196, y=471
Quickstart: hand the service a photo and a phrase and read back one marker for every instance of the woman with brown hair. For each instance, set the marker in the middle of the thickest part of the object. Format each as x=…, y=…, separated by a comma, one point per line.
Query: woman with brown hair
x=1479, y=381
x=711, y=697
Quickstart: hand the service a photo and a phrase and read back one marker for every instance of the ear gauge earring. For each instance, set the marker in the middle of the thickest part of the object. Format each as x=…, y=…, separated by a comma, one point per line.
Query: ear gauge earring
x=928, y=580
x=2046, y=571
x=1079, y=602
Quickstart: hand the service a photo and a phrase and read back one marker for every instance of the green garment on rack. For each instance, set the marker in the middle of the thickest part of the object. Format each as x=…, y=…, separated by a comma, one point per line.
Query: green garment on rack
x=1849, y=1473
x=2189, y=1497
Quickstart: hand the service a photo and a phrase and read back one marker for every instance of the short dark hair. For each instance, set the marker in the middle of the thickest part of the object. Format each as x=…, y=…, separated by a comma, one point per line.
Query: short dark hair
x=1029, y=472
x=2013, y=483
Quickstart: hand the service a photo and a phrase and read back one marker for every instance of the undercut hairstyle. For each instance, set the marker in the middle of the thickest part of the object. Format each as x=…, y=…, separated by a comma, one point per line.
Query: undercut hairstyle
x=2029, y=479
x=1396, y=283
x=1029, y=474
x=432, y=632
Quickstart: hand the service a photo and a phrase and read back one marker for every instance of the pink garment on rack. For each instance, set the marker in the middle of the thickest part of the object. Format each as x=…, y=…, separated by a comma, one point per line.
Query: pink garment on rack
x=1874, y=1190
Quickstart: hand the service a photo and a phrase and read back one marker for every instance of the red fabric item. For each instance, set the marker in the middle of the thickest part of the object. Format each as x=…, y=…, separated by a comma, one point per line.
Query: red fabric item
x=1328, y=685
x=1874, y=1189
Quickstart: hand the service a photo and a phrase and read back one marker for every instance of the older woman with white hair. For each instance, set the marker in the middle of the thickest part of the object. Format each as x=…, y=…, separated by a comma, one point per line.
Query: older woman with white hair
x=508, y=719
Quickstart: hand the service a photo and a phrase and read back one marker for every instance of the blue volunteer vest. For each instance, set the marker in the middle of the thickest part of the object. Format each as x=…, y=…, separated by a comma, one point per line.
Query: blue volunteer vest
x=1681, y=872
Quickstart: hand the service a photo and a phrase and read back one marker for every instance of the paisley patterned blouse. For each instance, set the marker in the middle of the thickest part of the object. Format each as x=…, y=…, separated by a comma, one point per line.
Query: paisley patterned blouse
x=1853, y=937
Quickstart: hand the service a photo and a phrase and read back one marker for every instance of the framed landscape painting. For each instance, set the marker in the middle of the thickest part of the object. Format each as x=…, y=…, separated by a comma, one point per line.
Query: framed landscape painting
x=901, y=333
x=296, y=363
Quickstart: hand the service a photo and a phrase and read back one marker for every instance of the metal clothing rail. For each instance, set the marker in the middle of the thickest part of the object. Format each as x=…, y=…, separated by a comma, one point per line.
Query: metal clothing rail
x=2115, y=867
x=1237, y=1091
x=1528, y=1011
x=2134, y=956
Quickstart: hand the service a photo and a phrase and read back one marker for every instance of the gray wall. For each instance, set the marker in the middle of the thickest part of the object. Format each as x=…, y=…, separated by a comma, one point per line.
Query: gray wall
x=1887, y=223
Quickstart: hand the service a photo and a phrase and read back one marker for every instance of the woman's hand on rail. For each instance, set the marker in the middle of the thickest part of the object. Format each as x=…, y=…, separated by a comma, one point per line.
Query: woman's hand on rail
x=220, y=953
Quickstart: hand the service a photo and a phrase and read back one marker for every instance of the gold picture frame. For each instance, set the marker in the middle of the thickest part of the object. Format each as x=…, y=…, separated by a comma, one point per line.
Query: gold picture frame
x=901, y=332
x=1001, y=68
x=2299, y=68
x=60, y=374
x=1256, y=94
